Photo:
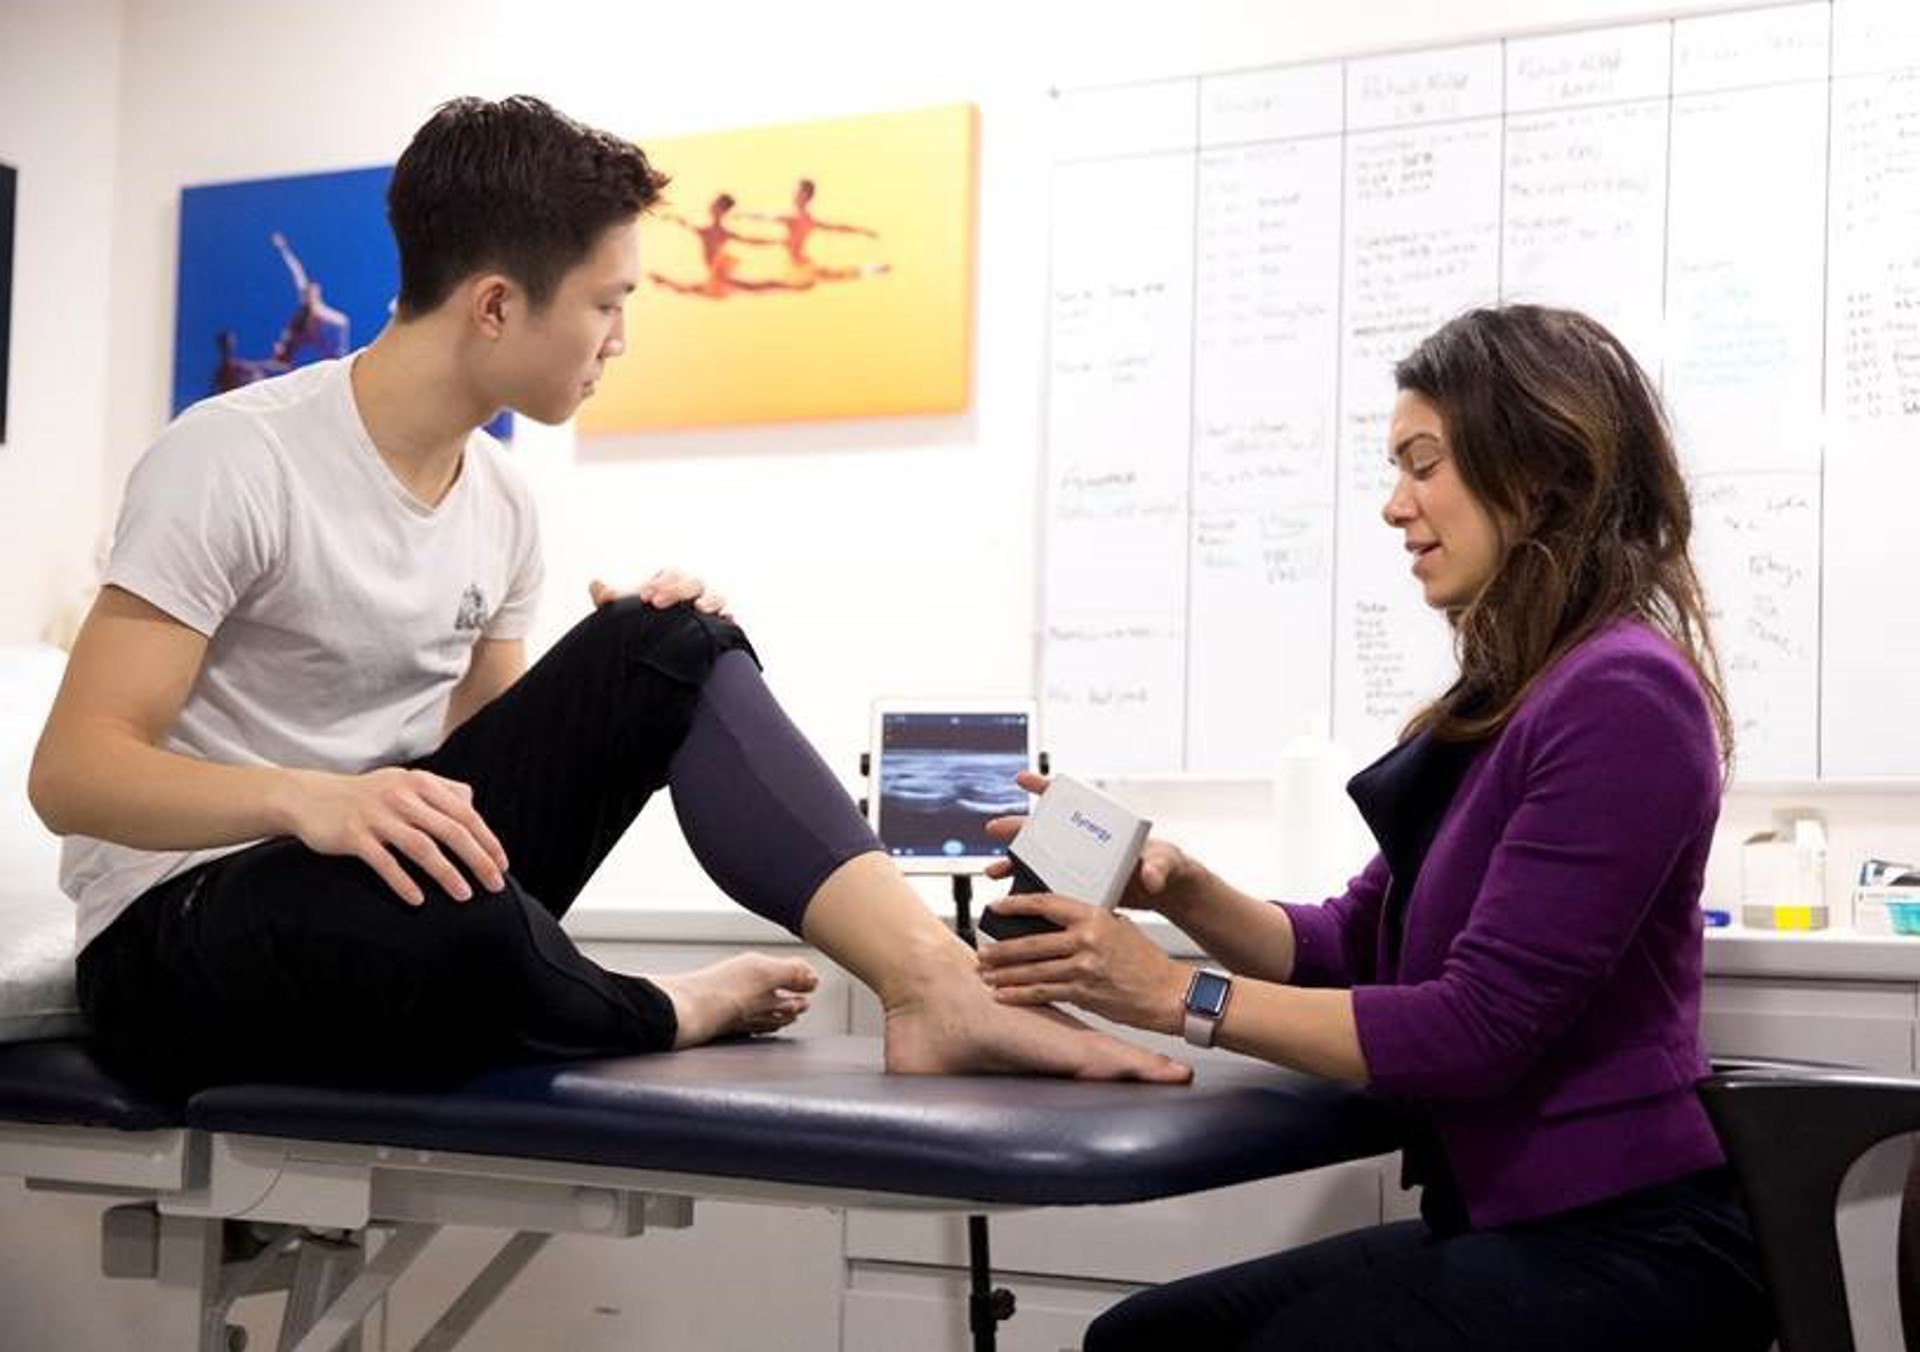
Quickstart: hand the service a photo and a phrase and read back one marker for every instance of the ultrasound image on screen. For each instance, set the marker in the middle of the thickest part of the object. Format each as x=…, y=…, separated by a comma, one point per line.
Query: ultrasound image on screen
x=942, y=776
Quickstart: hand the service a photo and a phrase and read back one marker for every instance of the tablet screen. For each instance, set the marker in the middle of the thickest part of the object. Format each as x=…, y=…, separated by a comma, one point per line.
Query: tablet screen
x=943, y=775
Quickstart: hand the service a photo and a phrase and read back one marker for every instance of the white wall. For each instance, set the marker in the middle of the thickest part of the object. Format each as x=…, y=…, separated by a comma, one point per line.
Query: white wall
x=866, y=557
x=59, y=123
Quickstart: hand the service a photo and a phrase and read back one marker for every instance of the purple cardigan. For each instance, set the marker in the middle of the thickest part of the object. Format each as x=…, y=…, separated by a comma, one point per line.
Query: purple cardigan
x=1544, y=1000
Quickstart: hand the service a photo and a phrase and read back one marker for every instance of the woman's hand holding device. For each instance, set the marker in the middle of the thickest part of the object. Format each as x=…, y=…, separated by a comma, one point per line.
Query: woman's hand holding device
x=1059, y=948
x=1166, y=879
x=1097, y=959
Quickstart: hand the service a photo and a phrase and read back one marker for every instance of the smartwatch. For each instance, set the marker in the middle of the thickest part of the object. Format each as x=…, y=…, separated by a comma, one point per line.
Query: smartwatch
x=1206, y=1001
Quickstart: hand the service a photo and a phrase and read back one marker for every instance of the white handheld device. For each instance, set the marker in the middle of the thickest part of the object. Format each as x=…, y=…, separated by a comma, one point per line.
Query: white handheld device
x=1078, y=843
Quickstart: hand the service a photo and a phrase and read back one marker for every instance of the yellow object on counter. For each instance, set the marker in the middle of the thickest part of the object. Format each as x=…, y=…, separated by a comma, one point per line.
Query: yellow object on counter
x=1784, y=917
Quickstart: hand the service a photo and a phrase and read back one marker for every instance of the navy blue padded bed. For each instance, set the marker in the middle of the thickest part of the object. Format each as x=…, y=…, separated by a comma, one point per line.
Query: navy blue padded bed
x=610, y=1147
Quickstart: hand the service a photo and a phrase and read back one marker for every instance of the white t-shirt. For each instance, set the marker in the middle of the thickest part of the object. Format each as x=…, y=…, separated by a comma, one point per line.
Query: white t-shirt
x=340, y=610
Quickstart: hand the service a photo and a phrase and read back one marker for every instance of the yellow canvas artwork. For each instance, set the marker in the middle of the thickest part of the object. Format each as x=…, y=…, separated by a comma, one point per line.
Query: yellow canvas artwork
x=818, y=270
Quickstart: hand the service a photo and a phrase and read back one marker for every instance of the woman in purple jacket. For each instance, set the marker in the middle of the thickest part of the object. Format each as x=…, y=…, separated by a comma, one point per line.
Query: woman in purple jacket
x=1521, y=962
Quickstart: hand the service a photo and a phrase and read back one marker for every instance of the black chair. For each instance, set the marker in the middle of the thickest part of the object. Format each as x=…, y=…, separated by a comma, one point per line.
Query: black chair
x=1792, y=1132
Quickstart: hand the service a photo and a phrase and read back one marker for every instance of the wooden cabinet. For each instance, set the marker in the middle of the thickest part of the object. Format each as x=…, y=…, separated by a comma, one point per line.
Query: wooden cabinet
x=1869, y=1024
x=891, y=1307
x=1143, y=1243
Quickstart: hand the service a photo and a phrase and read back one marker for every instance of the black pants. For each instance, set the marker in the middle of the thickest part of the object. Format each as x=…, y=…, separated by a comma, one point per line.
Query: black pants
x=277, y=961
x=1667, y=1269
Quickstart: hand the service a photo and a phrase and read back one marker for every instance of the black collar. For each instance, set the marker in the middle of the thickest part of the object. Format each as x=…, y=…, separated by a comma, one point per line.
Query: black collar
x=1403, y=795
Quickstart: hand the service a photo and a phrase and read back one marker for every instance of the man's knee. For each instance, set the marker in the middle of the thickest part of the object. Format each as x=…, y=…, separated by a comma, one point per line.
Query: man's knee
x=679, y=642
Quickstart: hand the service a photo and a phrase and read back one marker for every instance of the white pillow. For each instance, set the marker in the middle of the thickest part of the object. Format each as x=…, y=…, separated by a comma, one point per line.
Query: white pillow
x=37, y=996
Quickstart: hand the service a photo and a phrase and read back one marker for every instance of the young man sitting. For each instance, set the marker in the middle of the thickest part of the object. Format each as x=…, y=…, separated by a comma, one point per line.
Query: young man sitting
x=322, y=819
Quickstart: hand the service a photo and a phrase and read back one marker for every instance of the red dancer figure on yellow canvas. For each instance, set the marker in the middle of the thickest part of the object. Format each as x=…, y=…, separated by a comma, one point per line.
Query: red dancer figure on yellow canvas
x=722, y=278
x=800, y=224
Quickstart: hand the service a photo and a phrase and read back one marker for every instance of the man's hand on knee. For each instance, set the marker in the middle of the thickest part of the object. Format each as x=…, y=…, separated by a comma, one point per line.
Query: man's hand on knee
x=668, y=587
x=385, y=815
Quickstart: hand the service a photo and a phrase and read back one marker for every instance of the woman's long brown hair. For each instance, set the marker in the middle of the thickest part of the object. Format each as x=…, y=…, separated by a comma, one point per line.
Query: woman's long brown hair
x=1558, y=432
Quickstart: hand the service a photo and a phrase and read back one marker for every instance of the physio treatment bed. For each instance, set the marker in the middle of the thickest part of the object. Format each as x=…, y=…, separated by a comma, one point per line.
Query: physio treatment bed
x=250, y=1187
x=246, y=1188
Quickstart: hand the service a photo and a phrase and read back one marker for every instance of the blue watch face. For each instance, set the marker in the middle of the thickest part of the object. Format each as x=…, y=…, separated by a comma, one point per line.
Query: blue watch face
x=1208, y=994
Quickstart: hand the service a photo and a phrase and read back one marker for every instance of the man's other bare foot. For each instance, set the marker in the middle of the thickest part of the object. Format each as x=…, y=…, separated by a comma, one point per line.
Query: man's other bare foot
x=751, y=993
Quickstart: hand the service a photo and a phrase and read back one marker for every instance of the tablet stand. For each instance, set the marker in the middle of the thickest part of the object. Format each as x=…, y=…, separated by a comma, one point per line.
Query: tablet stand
x=988, y=1306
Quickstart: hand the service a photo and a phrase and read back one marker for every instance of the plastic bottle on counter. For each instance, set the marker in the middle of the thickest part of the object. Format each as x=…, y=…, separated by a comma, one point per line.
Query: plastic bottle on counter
x=1320, y=840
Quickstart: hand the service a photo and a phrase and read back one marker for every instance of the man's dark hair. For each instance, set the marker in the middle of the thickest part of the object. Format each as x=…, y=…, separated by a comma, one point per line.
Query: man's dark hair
x=511, y=185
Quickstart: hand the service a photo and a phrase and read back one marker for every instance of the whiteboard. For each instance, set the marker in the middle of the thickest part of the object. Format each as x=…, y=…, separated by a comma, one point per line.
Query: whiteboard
x=1238, y=258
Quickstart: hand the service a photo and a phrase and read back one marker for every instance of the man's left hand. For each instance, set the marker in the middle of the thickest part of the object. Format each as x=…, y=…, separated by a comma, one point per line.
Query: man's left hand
x=666, y=588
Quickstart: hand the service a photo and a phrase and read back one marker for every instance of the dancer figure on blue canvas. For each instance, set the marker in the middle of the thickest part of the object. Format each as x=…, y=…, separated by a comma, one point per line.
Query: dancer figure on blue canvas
x=314, y=325
x=235, y=370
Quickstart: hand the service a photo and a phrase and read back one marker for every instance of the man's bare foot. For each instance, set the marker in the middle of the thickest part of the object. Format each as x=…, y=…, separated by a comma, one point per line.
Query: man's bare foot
x=958, y=1028
x=751, y=993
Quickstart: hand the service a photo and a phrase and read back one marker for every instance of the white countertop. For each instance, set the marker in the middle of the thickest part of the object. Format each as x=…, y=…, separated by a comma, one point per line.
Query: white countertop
x=1832, y=955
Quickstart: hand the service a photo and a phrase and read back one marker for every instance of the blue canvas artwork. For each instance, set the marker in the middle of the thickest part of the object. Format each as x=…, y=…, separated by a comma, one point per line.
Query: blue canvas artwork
x=279, y=272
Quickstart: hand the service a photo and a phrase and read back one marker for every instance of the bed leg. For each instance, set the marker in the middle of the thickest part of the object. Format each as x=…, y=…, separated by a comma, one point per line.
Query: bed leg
x=323, y=1267
x=335, y=1286
x=482, y=1291
x=988, y=1306
x=187, y=1275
